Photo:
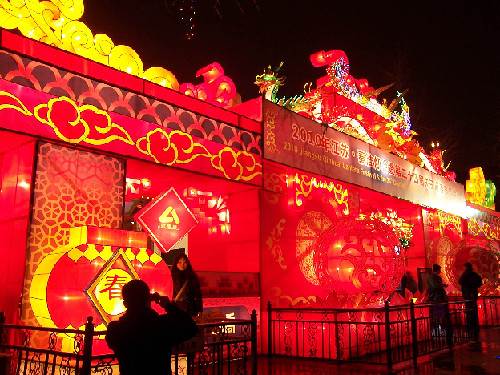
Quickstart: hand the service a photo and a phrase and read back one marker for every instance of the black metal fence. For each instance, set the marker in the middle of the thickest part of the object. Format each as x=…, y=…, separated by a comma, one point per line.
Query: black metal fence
x=489, y=310
x=384, y=335
x=229, y=347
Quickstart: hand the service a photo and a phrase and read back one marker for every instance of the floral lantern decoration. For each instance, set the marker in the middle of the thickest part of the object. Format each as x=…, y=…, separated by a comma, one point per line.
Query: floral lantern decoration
x=360, y=255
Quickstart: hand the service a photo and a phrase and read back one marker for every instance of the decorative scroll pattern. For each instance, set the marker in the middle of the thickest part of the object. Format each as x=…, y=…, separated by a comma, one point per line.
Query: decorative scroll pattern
x=56, y=23
x=26, y=338
x=369, y=340
x=312, y=331
x=65, y=366
x=50, y=80
x=88, y=125
x=352, y=316
x=339, y=341
x=104, y=367
x=35, y=366
x=287, y=339
x=393, y=335
x=205, y=358
x=52, y=341
x=239, y=352
x=78, y=344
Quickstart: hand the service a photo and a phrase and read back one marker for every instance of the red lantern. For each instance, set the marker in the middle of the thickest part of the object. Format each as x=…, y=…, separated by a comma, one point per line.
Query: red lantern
x=359, y=255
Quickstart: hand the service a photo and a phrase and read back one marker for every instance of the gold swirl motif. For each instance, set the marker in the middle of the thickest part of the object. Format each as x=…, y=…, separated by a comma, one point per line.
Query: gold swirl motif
x=310, y=228
x=445, y=219
x=477, y=228
x=272, y=243
x=89, y=124
x=304, y=186
x=56, y=23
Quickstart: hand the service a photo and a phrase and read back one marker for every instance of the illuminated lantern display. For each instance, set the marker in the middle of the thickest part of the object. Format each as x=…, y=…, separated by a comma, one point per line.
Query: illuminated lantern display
x=359, y=255
x=320, y=200
x=60, y=27
x=480, y=191
x=86, y=277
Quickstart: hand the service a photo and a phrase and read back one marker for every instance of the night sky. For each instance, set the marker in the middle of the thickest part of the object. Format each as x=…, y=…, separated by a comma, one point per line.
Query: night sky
x=444, y=52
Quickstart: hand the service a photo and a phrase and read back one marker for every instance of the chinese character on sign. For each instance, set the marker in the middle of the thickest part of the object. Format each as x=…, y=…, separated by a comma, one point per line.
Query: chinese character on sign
x=114, y=285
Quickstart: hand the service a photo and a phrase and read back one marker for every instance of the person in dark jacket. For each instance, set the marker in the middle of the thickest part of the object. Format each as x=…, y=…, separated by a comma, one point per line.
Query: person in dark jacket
x=437, y=295
x=470, y=282
x=142, y=339
x=187, y=291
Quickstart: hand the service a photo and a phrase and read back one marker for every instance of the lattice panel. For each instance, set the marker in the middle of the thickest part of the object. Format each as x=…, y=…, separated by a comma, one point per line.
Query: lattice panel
x=72, y=188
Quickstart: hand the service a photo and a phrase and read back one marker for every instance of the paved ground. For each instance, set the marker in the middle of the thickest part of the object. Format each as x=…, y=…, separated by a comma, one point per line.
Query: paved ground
x=477, y=358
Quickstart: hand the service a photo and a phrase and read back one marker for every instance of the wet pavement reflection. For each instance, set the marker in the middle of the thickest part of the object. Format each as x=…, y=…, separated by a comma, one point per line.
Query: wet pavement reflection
x=478, y=358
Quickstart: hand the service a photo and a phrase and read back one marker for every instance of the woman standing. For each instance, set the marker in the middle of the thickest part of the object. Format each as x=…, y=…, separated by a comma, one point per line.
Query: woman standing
x=187, y=293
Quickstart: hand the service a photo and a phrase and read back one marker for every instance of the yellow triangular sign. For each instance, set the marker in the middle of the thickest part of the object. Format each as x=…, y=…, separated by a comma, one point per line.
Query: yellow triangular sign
x=168, y=216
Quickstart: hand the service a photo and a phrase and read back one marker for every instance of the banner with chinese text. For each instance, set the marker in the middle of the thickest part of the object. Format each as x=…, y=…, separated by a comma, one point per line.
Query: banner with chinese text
x=296, y=141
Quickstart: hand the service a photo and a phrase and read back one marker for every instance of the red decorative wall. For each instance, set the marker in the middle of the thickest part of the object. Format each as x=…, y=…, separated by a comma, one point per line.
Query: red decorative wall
x=16, y=164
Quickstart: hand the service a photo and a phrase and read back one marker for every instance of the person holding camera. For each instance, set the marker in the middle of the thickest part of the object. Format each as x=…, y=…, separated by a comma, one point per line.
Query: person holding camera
x=142, y=339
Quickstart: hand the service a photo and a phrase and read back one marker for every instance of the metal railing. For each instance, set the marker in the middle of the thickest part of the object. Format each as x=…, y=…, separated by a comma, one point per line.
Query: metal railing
x=385, y=335
x=489, y=310
x=229, y=347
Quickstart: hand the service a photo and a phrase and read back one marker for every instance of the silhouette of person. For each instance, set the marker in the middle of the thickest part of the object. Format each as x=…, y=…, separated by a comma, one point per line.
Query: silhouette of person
x=470, y=282
x=142, y=339
x=435, y=285
x=411, y=284
x=437, y=295
x=187, y=291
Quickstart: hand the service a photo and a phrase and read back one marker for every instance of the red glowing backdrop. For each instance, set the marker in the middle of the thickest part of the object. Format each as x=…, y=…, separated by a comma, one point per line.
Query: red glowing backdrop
x=16, y=164
x=326, y=243
x=226, y=236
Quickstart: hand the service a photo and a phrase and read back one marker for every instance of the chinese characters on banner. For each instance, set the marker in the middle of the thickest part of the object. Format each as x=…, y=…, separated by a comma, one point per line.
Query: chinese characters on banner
x=299, y=142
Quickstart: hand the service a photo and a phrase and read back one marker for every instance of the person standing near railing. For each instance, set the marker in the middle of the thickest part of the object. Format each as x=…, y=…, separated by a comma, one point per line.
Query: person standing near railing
x=437, y=295
x=470, y=282
x=142, y=339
